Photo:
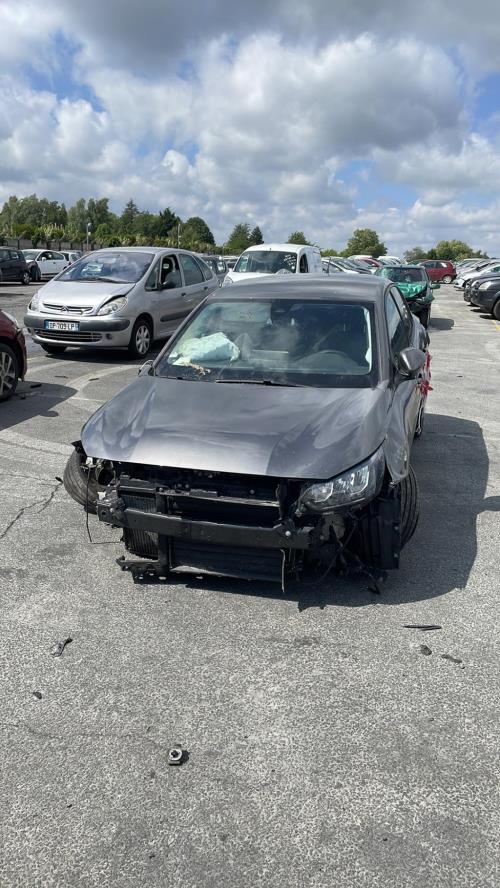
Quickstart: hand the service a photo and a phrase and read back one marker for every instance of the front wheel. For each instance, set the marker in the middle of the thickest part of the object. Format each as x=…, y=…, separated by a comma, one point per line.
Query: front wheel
x=25, y=278
x=53, y=349
x=496, y=310
x=9, y=372
x=141, y=339
x=410, y=506
x=447, y=279
x=81, y=483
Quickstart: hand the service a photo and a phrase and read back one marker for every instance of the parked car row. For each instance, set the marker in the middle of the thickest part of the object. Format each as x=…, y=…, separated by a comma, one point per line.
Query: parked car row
x=482, y=289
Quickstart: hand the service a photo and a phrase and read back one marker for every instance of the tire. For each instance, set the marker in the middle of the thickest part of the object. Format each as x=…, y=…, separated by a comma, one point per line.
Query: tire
x=81, y=486
x=25, y=278
x=141, y=339
x=410, y=506
x=9, y=372
x=53, y=349
x=496, y=310
x=424, y=317
x=447, y=279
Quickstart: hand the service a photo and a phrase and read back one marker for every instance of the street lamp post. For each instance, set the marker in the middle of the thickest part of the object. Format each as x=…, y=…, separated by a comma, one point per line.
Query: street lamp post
x=89, y=229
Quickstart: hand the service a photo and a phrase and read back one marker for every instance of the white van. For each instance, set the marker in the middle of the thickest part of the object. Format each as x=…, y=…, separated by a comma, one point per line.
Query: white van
x=275, y=259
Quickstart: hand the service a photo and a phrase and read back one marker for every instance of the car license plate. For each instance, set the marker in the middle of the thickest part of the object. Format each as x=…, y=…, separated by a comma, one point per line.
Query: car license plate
x=68, y=326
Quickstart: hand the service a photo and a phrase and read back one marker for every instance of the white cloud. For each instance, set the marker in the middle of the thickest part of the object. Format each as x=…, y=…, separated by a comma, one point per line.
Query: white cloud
x=249, y=112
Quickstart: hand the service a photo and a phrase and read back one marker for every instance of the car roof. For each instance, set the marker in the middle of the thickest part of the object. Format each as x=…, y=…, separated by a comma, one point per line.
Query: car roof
x=291, y=248
x=310, y=286
x=155, y=250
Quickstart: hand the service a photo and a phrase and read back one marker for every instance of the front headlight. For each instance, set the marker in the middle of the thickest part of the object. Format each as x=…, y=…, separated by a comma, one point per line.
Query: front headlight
x=358, y=485
x=487, y=285
x=35, y=302
x=113, y=305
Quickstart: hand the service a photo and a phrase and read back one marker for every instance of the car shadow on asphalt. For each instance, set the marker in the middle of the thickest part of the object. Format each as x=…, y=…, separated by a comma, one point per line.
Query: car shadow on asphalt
x=33, y=399
x=441, y=324
x=451, y=464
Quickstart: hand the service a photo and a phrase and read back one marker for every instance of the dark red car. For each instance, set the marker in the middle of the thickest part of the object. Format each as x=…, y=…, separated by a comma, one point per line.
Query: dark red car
x=441, y=270
x=13, y=358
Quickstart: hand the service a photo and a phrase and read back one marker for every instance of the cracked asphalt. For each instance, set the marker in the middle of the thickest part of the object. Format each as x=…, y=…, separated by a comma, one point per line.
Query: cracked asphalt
x=325, y=747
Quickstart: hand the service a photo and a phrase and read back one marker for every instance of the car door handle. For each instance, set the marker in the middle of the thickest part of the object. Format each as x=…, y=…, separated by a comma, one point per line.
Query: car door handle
x=205, y=288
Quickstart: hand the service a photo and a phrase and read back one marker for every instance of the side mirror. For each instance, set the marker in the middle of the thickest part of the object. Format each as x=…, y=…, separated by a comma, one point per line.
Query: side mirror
x=145, y=369
x=410, y=361
x=435, y=285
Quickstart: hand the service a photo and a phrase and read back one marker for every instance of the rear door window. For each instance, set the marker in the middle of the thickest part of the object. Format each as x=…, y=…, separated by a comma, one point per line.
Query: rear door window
x=191, y=269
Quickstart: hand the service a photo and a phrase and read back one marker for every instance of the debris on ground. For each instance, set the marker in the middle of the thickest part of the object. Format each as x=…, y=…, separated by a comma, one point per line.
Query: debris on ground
x=37, y=694
x=36, y=385
x=58, y=648
x=456, y=660
x=176, y=755
x=425, y=650
x=425, y=627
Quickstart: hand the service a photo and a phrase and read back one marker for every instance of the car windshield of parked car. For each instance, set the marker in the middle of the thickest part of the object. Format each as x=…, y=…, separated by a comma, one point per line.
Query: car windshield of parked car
x=275, y=342
x=116, y=267
x=30, y=254
x=402, y=275
x=267, y=262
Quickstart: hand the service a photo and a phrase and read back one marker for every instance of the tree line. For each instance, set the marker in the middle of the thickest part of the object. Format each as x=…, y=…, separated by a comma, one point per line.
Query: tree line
x=45, y=223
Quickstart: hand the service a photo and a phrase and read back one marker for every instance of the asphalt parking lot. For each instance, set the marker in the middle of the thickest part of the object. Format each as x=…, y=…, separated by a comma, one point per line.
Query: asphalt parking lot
x=325, y=747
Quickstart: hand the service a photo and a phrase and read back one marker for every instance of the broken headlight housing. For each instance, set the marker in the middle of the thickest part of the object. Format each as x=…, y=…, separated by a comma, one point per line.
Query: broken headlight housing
x=358, y=485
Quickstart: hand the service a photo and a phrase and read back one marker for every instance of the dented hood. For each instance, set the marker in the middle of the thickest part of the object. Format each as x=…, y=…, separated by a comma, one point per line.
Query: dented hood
x=248, y=429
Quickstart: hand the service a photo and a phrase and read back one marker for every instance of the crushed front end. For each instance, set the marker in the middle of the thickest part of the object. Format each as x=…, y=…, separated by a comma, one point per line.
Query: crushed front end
x=178, y=520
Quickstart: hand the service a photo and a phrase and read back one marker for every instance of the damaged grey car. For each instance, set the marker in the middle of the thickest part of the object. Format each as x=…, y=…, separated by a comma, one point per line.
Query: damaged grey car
x=271, y=436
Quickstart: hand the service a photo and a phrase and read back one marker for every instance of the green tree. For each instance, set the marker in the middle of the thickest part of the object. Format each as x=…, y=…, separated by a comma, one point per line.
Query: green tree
x=239, y=239
x=98, y=212
x=167, y=221
x=297, y=237
x=102, y=233
x=196, y=232
x=416, y=254
x=455, y=250
x=128, y=216
x=256, y=237
x=365, y=241
x=77, y=220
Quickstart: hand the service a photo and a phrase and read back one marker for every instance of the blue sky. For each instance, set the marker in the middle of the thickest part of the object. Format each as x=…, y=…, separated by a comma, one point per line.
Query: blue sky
x=261, y=114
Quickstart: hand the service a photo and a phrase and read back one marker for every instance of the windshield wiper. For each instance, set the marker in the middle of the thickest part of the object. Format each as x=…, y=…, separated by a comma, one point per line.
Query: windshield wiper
x=261, y=382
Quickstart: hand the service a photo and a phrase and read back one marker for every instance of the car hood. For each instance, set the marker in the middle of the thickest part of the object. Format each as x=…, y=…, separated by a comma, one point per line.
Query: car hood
x=248, y=429
x=81, y=293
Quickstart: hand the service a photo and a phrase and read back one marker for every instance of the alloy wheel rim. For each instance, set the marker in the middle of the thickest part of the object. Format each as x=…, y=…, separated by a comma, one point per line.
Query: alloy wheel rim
x=142, y=339
x=7, y=373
